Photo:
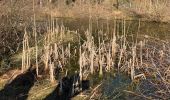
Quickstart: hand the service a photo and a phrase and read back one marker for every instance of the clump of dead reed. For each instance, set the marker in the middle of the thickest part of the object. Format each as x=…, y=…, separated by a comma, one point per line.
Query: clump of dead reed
x=145, y=59
x=26, y=53
x=53, y=50
x=153, y=10
x=140, y=58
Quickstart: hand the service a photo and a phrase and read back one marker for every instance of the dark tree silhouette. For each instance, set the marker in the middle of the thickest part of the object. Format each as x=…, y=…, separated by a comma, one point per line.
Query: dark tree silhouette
x=68, y=87
x=18, y=89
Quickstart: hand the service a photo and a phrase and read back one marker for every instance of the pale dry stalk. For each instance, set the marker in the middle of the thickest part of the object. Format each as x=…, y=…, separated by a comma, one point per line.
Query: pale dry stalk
x=52, y=79
x=26, y=53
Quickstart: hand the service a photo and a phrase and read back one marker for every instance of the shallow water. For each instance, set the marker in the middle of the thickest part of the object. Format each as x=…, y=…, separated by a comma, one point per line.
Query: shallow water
x=133, y=27
x=115, y=85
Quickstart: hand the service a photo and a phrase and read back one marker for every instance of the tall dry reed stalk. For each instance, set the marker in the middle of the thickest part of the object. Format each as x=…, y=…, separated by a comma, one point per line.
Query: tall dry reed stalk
x=100, y=60
x=51, y=67
x=133, y=62
x=26, y=53
x=80, y=63
x=35, y=37
x=46, y=54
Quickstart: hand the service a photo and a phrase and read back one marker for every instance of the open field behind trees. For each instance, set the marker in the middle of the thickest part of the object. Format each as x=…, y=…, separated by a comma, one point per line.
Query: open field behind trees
x=84, y=49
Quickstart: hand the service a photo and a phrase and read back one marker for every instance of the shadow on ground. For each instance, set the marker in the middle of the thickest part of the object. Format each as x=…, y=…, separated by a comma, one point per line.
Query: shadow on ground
x=68, y=87
x=19, y=87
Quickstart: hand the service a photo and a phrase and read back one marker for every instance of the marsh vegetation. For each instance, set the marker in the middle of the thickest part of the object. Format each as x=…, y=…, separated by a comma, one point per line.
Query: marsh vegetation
x=84, y=49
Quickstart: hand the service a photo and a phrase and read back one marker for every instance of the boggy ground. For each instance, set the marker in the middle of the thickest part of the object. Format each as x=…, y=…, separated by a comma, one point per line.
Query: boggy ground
x=150, y=79
x=28, y=86
x=18, y=88
x=144, y=62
